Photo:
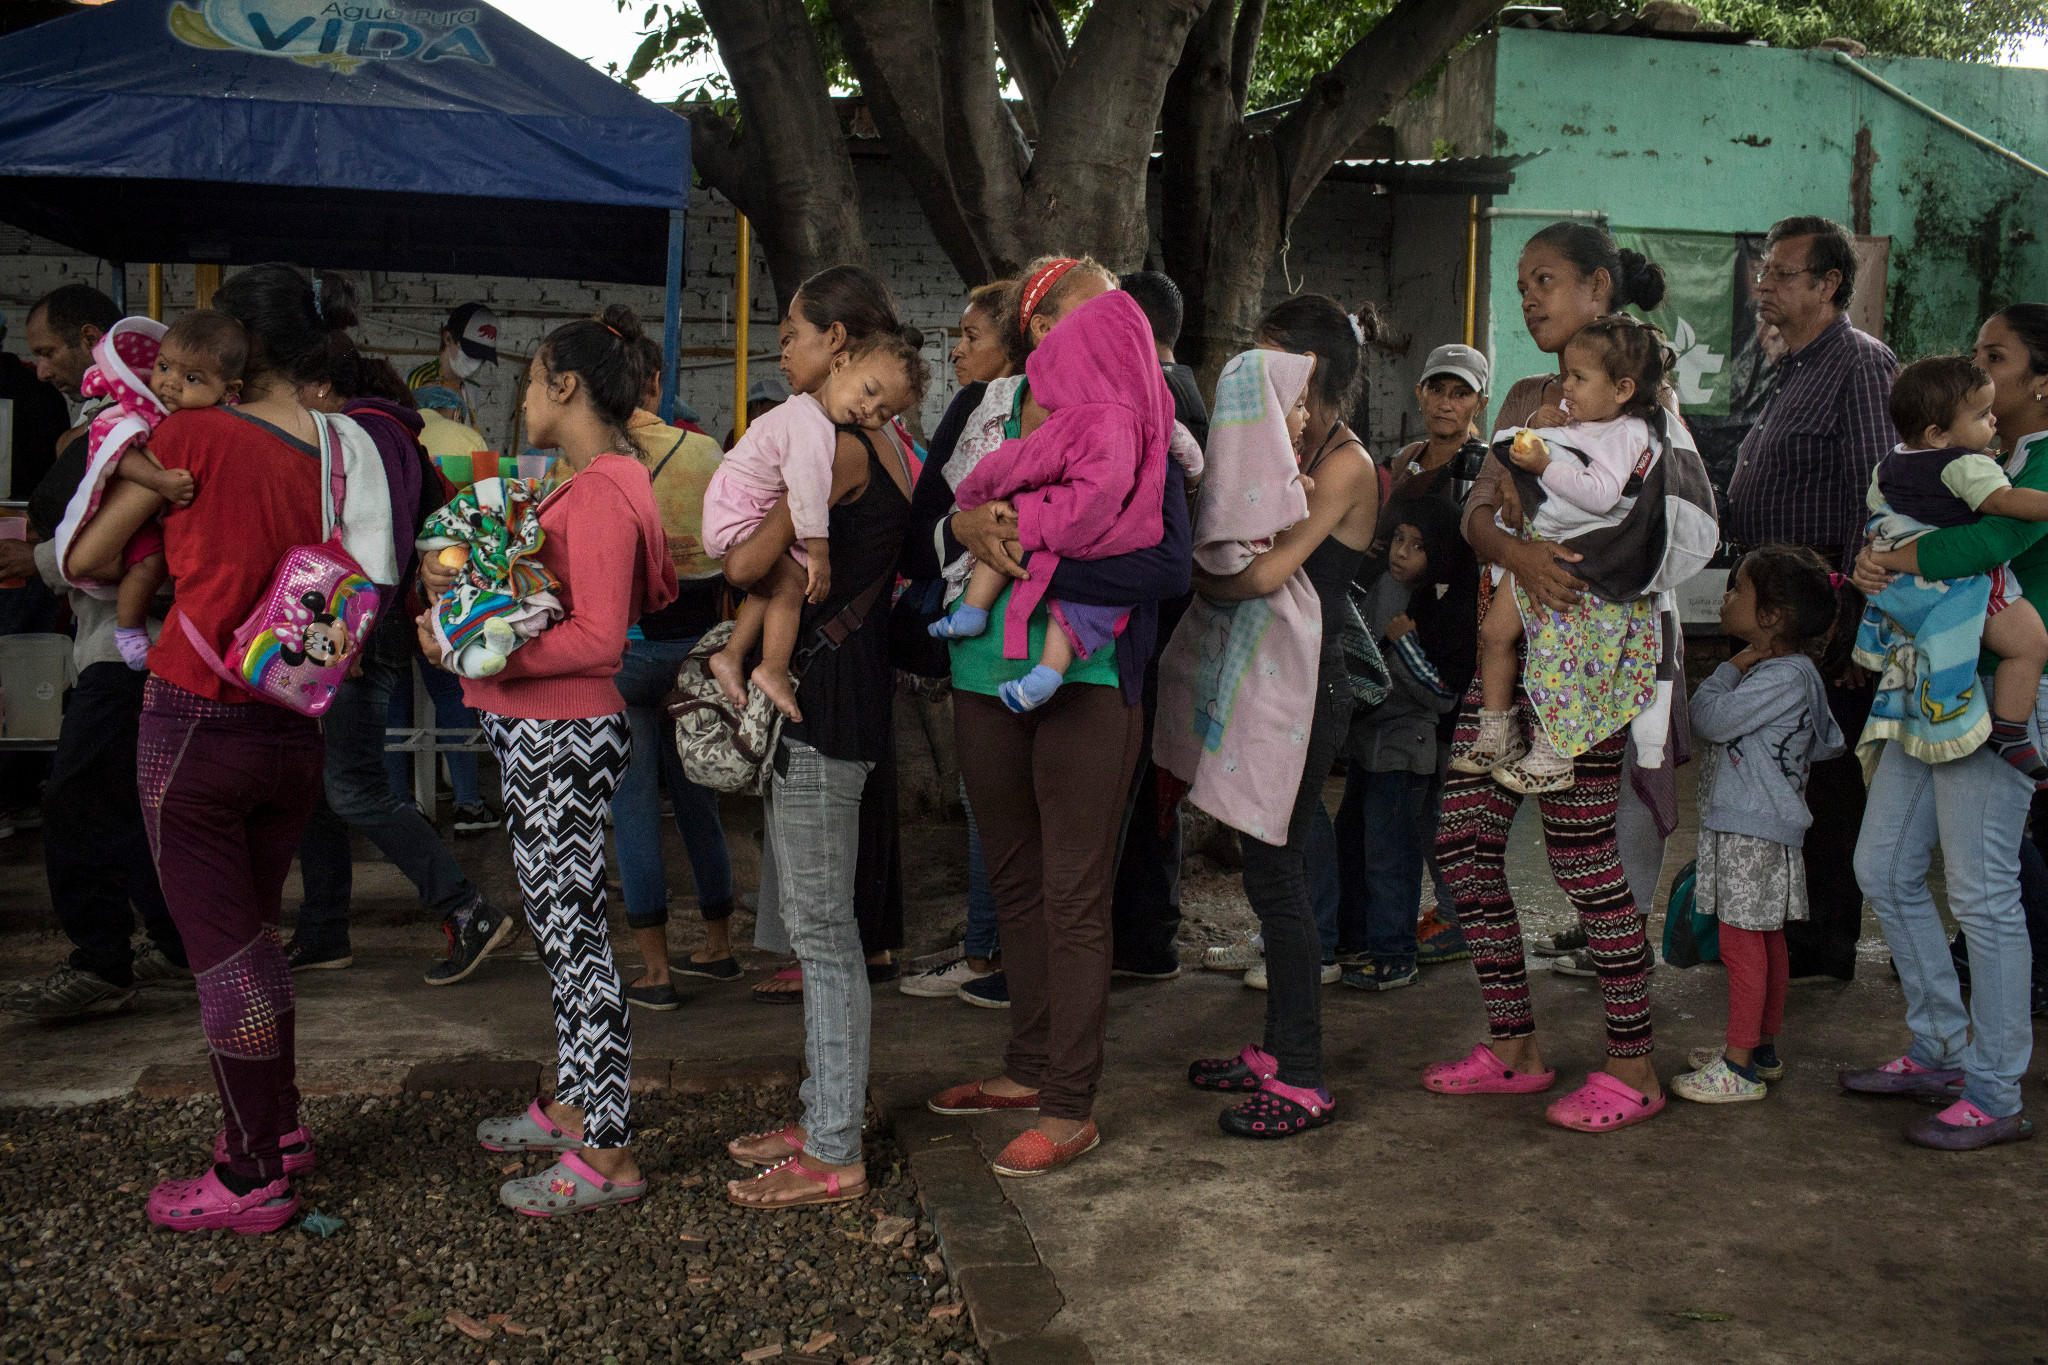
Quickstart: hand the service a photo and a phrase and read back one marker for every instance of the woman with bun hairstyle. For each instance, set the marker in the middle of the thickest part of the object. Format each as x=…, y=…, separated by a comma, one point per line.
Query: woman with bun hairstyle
x=1283, y=1073
x=834, y=310
x=825, y=762
x=1570, y=274
x=557, y=722
x=227, y=780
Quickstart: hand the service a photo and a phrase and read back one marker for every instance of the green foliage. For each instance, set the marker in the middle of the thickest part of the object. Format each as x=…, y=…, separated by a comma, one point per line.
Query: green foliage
x=1956, y=30
x=1304, y=38
x=676, y=35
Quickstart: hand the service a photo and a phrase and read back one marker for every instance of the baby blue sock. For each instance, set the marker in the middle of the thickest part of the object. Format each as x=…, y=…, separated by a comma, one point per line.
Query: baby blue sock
x=964, y=624
x=1032, y=690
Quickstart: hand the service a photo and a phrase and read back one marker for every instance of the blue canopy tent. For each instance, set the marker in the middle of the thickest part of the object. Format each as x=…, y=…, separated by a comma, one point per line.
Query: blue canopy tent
x=430, y=135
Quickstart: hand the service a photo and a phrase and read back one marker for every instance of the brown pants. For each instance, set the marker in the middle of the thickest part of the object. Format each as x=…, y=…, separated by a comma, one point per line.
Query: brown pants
x=1048, y=791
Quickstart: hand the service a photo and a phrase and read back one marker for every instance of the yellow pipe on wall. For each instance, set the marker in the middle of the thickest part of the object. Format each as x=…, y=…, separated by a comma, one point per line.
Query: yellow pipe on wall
x=1472, y=271
x=742, y=305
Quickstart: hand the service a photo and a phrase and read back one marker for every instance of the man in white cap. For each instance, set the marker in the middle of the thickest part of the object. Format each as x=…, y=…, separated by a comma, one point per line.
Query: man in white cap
x=469, y=341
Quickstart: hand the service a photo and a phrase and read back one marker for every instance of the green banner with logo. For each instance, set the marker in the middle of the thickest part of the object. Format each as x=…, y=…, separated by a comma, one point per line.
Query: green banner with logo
x=1698, y=312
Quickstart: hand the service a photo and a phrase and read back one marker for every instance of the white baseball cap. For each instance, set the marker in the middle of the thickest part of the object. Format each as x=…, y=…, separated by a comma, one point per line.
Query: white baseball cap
x=475, y=329
x=1462, y=361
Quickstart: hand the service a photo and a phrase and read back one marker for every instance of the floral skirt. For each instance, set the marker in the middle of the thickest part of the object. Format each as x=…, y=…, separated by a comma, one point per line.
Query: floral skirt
x=1749, y=881
x=1588, y=671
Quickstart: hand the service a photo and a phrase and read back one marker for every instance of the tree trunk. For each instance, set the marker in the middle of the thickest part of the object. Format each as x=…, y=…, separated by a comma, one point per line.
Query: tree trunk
x=785, y=166
x=1234, y=193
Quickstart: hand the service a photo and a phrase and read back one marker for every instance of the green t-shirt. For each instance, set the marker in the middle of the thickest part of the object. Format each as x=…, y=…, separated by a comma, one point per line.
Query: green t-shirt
x=978, y=663
x=1962, y=551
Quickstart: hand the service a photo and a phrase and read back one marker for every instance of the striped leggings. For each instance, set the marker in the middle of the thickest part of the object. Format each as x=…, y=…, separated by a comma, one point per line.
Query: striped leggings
x=559, y=780
x=1578, y=833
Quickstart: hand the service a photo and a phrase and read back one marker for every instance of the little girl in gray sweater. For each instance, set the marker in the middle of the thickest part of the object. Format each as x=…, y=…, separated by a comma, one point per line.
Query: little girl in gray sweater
x=1765, y=713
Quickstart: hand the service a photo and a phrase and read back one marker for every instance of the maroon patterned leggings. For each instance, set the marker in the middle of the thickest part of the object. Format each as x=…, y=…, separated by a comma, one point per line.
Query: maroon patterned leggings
x=1578, y=833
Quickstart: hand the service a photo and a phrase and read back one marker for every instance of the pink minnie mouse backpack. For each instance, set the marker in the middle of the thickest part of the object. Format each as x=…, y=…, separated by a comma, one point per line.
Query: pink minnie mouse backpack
x=298, y=643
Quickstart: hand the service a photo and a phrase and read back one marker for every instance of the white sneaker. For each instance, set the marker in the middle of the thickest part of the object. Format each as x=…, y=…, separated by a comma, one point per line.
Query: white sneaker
x=1240, y=956
x=1255, y=979
x=1715, y=1083
x=1542, y=771
x=1498, y=743
x=942, y=981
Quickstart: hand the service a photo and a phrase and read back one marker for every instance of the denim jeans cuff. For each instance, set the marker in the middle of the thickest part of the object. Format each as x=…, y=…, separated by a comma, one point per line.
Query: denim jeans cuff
x=656, y=919
x=713, y=911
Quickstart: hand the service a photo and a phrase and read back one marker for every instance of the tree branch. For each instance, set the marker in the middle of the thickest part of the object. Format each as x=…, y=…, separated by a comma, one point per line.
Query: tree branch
x=1083, y=193
x=896, y=48
x=1244, y=51
x=1197, y=122
x=984, y=145
x=1364, y=85
x=1034, y=47
x=788, y=170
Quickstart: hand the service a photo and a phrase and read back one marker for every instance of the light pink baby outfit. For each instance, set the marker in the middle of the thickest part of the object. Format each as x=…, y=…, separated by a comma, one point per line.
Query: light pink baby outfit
x=788, y=449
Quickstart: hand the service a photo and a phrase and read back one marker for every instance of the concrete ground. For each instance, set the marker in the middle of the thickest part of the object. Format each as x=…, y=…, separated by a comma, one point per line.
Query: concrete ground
x=1418, y=1227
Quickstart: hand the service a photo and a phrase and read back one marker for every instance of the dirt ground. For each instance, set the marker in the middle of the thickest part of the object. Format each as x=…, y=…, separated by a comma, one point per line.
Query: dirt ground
x=1417, y=1228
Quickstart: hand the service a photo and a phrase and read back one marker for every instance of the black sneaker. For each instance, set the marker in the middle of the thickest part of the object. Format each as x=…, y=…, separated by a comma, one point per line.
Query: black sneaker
x=477, y=819
x=1561, y=944
x=68, y=993
x=304, y=957
x=486, y=932
x=153, y=967
x=717, y=969
x=662, y=997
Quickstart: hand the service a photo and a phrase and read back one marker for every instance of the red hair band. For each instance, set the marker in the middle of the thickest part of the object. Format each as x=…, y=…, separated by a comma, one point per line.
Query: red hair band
x=1038, y=286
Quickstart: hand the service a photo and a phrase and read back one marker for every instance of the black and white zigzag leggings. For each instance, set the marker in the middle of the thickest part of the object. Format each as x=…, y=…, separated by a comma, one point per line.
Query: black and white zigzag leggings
x=559, y=780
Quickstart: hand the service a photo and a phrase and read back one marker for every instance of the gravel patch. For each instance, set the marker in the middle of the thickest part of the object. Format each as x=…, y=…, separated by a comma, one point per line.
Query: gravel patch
x=428, y=1266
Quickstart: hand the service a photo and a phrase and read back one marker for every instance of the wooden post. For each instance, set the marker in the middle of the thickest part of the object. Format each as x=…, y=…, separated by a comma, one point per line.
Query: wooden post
x=1472, y=271
x=156, y=292
x=742, y=305
x=205, y=279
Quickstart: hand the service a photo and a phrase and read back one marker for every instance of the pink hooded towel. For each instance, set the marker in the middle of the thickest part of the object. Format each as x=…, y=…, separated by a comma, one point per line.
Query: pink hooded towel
x=122, y=361
x=1237, y=682
x=1087, y=484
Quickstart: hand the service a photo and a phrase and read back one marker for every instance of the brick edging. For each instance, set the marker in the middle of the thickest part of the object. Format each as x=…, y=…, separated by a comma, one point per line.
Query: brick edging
x=1011, y=1295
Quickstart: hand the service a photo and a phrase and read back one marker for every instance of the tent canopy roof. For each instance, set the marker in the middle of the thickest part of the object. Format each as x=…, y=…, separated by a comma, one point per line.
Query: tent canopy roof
x=432, y=135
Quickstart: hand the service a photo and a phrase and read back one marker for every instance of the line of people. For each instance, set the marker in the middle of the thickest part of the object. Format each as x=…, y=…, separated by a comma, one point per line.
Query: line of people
x=1212, y=609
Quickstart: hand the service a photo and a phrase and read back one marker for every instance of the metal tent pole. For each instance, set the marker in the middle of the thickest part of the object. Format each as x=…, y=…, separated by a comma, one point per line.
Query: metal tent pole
x=672, y=313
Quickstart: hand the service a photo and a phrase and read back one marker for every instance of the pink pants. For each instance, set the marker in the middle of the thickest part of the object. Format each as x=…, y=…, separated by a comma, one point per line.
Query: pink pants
x=1757, y=973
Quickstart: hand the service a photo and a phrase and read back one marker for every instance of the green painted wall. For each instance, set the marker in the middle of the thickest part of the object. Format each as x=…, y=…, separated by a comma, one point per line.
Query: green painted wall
x=1700, y=136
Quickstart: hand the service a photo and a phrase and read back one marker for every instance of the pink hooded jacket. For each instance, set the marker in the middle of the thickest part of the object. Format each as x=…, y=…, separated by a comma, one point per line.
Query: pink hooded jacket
x=1088, y=484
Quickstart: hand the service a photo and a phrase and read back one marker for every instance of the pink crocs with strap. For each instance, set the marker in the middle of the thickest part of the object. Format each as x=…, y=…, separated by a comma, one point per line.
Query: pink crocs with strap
x=1481, y=1072
x=1603, y=1104
x=194, y=1205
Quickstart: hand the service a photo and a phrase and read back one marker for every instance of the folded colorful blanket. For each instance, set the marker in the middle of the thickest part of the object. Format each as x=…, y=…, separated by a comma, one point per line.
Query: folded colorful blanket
x=1922, y=637
x=504, y=595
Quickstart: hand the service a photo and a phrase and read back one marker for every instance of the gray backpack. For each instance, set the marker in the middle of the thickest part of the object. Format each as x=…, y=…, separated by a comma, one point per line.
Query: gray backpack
x=732, y=748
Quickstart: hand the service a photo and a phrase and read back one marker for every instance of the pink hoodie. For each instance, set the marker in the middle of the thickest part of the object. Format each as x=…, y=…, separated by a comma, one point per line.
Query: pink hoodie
x=1088, y=484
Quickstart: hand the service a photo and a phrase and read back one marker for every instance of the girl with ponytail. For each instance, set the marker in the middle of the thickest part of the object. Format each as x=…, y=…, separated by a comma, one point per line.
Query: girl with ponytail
x=557, y=722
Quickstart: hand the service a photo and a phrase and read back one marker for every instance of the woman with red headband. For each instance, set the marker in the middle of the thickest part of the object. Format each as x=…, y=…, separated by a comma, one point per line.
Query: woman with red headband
x=1048, y=784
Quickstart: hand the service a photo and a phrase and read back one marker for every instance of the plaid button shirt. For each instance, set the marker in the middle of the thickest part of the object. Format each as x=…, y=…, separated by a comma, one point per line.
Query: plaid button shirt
x=1803, y=470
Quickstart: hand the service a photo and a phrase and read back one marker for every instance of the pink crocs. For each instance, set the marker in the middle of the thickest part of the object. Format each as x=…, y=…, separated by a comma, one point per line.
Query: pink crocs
x=296, y=1147
x=191, y=1205
x=1480, y=1072
x=1603, y=1104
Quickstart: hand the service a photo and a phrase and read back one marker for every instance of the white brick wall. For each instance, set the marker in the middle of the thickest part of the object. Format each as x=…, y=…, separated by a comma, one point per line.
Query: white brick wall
x=1340, y=245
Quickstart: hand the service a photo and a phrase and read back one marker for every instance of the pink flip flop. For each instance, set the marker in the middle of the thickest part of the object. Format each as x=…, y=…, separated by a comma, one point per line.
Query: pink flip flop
x=1603, y=1104
x=793, y=972
x=1480, y=1072
x=788, y=1136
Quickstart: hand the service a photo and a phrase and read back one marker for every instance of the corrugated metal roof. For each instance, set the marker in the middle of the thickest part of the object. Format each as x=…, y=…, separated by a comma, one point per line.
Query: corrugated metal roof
x=1443, y=175
x=1553, y=20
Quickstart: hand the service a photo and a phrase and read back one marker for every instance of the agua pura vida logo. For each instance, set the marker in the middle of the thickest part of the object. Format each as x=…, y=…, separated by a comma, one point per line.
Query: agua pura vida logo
x=329, y=33
x=1697, y=363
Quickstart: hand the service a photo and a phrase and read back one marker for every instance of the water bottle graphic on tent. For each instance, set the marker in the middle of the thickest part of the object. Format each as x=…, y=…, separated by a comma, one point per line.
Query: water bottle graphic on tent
x=320, y=33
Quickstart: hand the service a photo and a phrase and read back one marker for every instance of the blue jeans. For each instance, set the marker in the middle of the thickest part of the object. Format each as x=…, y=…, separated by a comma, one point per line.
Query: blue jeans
x=358, y=795
x=1324, y=889
x=647, y=674
x=449, y=714
x=807, y=866
x=984, y=929
x=1977, y=808
x=1380, y=831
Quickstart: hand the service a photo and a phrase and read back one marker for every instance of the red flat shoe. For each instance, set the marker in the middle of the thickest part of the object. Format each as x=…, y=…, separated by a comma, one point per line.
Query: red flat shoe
x=972, y=1099
x=1033, y=1153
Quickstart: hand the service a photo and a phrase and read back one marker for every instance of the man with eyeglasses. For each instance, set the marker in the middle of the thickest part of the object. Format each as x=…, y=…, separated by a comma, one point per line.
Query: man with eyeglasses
x=1800, y=479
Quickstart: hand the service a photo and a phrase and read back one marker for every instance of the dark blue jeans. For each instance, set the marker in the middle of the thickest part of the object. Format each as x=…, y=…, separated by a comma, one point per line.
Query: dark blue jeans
x=1380, y=829
x=1324, y=885
x=358, y=795
x=646, y=675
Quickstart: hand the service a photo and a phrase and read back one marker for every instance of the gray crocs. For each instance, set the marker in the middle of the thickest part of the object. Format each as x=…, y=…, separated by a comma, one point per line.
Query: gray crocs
x=532, y=1131
x=569, y=1186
